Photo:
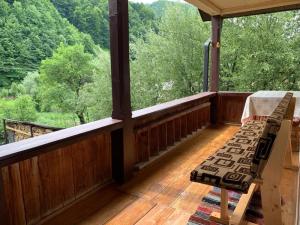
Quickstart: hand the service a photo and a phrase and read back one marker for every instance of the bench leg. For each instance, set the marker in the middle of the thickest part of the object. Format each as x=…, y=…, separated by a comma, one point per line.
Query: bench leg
x=289, y=164
x=271, y=203
x=223, y=216
x=271, y=176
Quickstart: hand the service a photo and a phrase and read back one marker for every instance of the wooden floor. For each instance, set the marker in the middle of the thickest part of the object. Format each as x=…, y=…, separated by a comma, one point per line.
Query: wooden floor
x=162, y=192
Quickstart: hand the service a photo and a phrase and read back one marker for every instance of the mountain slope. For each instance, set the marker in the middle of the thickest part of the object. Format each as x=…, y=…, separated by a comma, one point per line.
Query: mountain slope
x=30, y=31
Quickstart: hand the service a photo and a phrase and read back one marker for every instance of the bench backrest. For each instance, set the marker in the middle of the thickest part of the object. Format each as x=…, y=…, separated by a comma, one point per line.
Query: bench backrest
x=265, y=143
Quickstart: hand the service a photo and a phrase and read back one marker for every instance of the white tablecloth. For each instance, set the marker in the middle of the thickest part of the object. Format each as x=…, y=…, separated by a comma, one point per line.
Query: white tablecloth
x=262, y=103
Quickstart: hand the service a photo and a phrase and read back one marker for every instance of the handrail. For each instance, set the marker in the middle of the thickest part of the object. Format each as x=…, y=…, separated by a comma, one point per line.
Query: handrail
x=230, y=93
x=170, y=118
x=28, y=148
x=171, y=105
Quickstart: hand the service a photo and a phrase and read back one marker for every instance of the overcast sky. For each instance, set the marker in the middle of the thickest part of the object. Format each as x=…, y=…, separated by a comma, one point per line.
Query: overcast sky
x=150, y=1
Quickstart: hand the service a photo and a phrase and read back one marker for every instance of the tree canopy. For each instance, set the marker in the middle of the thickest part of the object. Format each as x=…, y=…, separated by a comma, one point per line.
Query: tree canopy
x=91, y=17
x=64, y=80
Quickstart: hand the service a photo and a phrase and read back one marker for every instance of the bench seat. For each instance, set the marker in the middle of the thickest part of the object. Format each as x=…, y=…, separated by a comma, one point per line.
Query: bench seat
x=229, y=167
x=251, y=154
x=243, y=157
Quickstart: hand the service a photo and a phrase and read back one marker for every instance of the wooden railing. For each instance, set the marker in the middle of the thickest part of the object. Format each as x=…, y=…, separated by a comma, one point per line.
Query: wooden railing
x=43, y=175
x=230, y=106
x=160, y=127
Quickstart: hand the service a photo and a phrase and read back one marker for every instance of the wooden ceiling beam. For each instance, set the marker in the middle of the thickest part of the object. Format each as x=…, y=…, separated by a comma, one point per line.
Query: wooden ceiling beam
x=263, y=5
x=262, y=11
x=206, y=6
x=215, y=8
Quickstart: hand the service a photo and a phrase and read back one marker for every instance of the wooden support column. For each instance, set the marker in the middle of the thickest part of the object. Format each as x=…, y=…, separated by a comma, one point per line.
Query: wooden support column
x=215, y=52
x=119, y=50
x=123, y=156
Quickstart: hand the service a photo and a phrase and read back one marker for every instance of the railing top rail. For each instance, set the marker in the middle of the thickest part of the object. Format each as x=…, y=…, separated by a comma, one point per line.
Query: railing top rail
x=172, y=104
x=31, y=147
x=232, y=93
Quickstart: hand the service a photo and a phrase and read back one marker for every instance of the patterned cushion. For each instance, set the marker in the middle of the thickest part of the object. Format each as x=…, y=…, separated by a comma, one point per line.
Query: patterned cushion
x=229, y=167
x=264, y=146
x=244, y=156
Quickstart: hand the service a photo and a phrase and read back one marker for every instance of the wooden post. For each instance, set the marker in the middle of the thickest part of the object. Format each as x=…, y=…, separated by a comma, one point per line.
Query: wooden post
x=123, y=155
x=224, y=204
x=214, y=113
x=119, y=50
x=222, y=217
x=5, y=132
x=215, y=52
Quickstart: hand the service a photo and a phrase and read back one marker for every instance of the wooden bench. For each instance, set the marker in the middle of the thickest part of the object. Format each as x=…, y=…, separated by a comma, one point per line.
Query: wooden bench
x=250, y=158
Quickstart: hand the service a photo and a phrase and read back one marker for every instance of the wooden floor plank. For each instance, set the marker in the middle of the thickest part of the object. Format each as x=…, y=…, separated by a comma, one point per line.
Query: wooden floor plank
x=110, y=210
x=157, y=216
x=172, y=191
x=191, y=198
x=178, y=217
x=133, y=213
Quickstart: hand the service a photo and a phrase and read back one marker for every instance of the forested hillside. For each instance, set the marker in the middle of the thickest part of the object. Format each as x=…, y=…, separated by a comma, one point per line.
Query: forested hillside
x=55, y=62
x=91, y=17
x=30, y=31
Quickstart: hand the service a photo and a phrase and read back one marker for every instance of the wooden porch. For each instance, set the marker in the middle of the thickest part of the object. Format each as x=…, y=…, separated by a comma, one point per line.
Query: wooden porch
x=83, y=175
x=162, y=192
x=71, y=176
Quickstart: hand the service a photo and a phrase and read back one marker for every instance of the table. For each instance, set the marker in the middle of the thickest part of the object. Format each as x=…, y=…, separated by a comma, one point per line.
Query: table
x=262, y=103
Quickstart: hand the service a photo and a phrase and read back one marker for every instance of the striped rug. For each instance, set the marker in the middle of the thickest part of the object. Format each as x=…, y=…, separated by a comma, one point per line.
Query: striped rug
x=211, y=203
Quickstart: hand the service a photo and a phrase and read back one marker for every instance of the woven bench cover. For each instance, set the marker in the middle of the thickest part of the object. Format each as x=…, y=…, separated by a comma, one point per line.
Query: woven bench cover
x=264, y=146
x=229, y=167
x=244, y=156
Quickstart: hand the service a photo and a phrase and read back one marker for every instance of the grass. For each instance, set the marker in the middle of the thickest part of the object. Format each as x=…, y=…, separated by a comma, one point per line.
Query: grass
x=55, y=119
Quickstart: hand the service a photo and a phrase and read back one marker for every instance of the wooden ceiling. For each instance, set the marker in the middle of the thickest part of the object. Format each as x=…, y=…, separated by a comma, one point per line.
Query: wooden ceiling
x=234, y=8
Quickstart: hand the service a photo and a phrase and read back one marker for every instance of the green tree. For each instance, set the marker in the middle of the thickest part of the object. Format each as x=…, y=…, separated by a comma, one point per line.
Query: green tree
x=168, y=63
x=99, y=96
x=30, y=84
x=65, y=78
x=258, y=53
x=22, y=108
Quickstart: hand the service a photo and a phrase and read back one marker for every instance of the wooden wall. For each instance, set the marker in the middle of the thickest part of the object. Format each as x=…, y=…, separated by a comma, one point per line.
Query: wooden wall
x=230, y=106
x=39, y=186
